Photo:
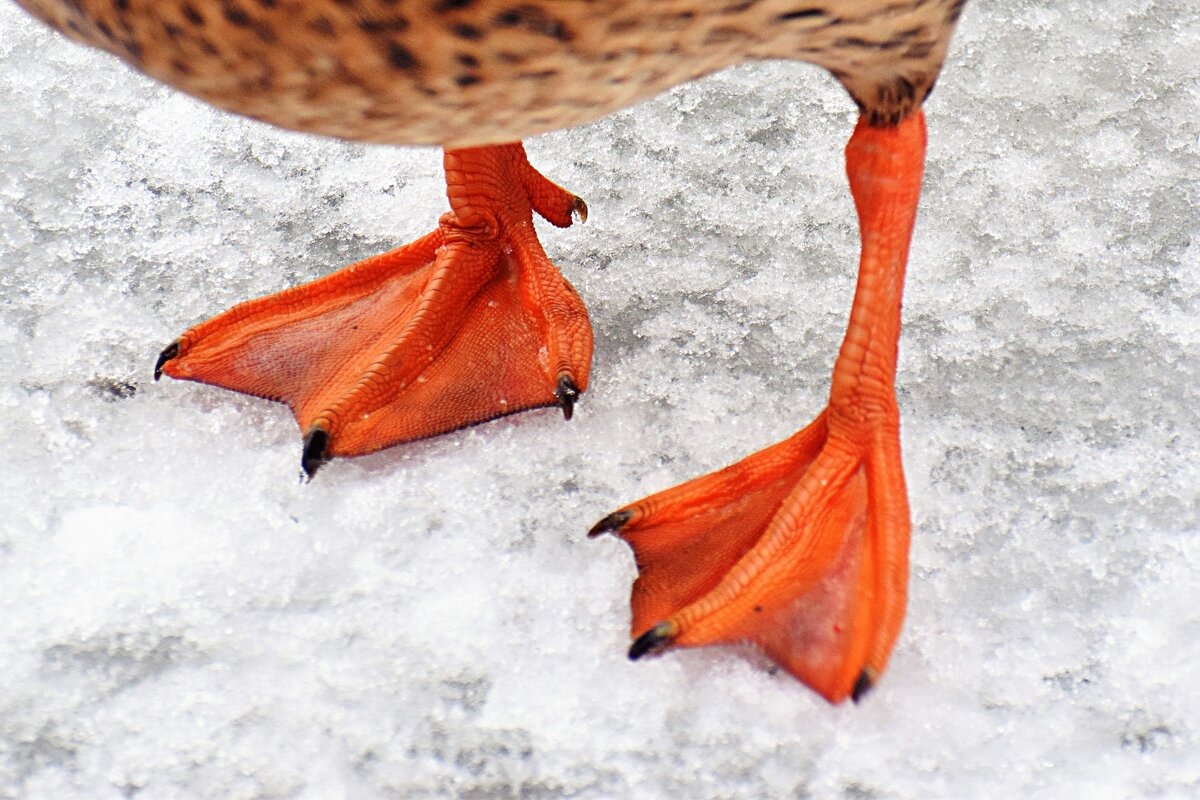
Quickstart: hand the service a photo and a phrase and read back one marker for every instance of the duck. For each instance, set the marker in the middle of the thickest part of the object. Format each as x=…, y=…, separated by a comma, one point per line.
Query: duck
x=800, y=549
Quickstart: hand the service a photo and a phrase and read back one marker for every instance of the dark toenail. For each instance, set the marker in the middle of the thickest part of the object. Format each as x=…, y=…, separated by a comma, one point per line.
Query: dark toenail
x=861, y=686
x=652, y=640
x=610, y=524
x=316, y=442
x=169, y=352
x=566, y=394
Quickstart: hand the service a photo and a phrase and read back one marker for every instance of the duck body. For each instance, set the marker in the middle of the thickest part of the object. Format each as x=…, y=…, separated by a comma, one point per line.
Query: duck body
x=801, y=548
x=469, y=72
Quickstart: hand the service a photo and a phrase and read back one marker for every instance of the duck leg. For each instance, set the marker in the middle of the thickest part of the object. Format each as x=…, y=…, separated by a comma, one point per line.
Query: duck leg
x=467, y=323
x=802, y=548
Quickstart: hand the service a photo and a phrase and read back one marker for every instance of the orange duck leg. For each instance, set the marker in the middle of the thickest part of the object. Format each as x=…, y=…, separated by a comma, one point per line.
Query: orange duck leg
x=802, y=548
x=468, y=323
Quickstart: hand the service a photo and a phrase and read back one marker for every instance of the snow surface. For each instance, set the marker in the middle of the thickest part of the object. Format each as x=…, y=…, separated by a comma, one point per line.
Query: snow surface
x=179, y=617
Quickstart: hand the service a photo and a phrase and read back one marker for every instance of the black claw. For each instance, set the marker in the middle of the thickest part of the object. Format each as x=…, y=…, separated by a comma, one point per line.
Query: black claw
x=169, y=352
x=610, y=524
x=316, y=441
x=861, y=686
x=579, y=209
x=652, y=640
x=566, y=394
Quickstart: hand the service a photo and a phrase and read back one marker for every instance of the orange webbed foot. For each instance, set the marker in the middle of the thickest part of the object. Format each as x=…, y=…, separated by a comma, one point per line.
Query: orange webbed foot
x=468, y=323
x=802, y=548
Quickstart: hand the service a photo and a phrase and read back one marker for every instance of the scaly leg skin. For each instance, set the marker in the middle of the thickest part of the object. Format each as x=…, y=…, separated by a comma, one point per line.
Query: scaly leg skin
x=468, y=323
x=802, y=548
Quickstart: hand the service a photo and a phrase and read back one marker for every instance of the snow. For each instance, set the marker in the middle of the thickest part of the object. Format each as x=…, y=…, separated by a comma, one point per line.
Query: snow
x=180, y=617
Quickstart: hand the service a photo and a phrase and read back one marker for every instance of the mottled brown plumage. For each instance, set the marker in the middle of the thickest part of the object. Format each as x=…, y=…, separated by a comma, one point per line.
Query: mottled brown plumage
x=464, y=72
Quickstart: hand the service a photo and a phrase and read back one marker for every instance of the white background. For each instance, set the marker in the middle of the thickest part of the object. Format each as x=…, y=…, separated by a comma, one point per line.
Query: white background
x=179, y=617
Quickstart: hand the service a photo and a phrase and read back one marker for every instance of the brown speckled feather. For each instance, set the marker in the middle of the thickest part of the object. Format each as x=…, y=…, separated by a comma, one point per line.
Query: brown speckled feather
x=457, y=72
